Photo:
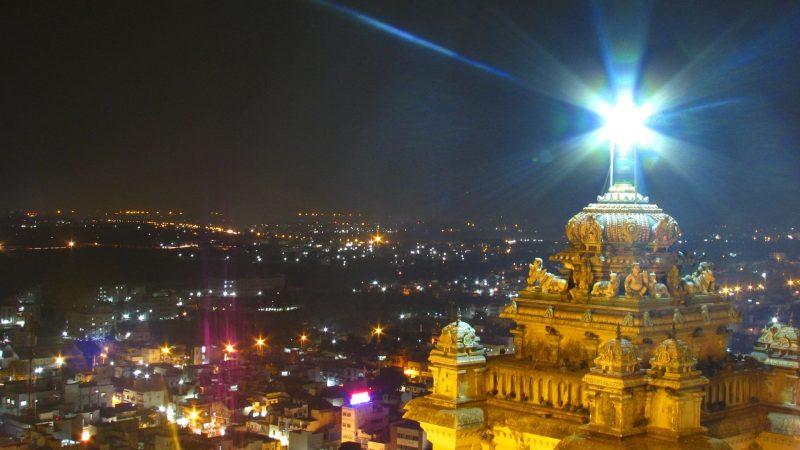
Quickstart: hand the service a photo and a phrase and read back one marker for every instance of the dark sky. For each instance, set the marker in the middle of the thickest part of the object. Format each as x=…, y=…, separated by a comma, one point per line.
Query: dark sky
x=260, y=109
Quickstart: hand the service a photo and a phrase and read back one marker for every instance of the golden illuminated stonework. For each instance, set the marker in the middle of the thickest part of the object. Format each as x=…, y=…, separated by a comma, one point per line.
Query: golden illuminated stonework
x=619, y=342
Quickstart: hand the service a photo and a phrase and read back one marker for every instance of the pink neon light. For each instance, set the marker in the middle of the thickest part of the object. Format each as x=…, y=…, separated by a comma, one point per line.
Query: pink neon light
x=357, y=398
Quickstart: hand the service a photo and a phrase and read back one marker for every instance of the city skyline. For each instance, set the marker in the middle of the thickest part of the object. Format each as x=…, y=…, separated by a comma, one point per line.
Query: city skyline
x=409, y=110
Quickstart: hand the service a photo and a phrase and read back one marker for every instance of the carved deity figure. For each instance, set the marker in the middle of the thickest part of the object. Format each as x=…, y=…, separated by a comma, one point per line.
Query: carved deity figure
x=511, y=307
x=665, y=232
x=583, y=278
x=635, y=282
x=591, y=231
x=607, y=288
x=674, y=281
x=677, y=316
x=657, y=290
x=628, y=320
x=702, y=281
x=572, y=230
x=647, y=320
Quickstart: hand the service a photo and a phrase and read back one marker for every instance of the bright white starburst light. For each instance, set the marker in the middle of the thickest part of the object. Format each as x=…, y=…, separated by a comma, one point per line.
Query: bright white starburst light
x=625, y=122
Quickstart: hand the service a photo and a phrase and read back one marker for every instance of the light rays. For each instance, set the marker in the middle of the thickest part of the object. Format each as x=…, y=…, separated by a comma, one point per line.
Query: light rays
x=673, y=108
x=413, y=39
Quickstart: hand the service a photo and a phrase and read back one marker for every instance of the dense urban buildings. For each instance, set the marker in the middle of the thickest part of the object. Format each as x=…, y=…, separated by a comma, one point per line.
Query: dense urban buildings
x=340, y=225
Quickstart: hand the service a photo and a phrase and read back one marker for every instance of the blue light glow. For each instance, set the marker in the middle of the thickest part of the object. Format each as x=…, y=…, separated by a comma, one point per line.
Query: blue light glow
x=416, y=40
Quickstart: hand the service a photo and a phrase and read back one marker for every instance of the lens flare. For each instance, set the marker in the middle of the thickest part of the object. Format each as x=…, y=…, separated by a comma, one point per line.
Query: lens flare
x=416, y=40
x=625, y=122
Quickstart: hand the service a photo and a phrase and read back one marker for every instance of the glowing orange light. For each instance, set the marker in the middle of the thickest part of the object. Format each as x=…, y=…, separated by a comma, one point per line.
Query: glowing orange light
x=70, y=244
x=230, y=348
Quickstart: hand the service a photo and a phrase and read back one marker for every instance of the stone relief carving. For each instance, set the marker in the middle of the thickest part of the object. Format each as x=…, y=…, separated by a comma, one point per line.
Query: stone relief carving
x=628, y=320
x=665, y=233
x=646, y=319
x=591, y=232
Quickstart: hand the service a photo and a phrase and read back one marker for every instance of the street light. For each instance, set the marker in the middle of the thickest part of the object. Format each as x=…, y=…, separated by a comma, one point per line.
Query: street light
x=303, y=339
x=260, y=342
x=378, y=331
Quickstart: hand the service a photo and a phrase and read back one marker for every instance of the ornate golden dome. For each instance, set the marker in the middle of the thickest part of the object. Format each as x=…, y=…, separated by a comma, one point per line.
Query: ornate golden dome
x=672, y=356
x=617, y=356
x=777, y=336
x=625, y=218
x=458, y=337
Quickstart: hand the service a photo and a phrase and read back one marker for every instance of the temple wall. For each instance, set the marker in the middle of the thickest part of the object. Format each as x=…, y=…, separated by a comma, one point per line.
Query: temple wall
x=550, y=389
x=733, y=388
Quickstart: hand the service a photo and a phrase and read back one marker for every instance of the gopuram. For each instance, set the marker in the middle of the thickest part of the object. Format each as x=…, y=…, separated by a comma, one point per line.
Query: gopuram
x=619, y=343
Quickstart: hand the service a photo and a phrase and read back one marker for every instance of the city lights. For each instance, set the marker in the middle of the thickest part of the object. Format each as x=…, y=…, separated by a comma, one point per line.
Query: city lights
x=488, y=281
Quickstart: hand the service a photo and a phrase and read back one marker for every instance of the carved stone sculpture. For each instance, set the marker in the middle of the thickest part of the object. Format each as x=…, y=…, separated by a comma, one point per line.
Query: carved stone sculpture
x=702, y=281
x=657, y=290
x=591, y=232
x=583, y=278
x=546, y=281
x=607, y=288
x=674, y=281
x=635, y=282
x=647, y=320
x=628, y=320
x=665, y=233
x=511, y=307
x=535, y=271
x=552, y=284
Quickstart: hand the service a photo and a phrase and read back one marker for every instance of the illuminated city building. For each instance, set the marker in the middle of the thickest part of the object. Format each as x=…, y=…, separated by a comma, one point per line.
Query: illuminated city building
x=365, y=422
x=623, y=346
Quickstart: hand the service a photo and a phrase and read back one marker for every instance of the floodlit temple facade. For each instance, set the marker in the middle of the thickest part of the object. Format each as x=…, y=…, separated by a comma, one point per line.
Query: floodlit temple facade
x=624, y=348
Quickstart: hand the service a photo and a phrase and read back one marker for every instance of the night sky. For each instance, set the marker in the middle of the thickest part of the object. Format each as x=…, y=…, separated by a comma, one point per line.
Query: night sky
x=261, y=109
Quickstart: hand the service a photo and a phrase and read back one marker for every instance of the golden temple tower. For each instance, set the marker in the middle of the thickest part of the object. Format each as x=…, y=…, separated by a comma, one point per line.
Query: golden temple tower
x=591, y=366
x=453, y=415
